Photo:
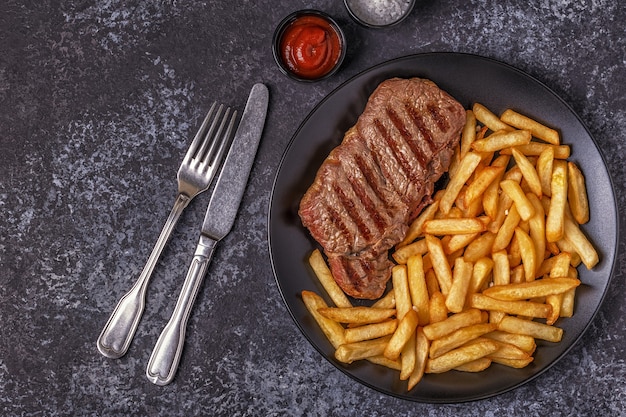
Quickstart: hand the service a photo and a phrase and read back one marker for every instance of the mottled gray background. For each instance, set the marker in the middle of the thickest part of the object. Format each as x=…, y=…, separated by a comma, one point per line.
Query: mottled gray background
x=98, y=101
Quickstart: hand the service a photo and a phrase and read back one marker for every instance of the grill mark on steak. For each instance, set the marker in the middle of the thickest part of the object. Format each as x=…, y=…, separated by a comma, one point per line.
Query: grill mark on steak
x=352, y=212
x=352, y=273
x=397, y=153
x=434, y=112
x=370, y=177
x=403, y=130
x=373, y=181
x=368, y=204
x=384, y=159
x=337, y=220
x=418, y=120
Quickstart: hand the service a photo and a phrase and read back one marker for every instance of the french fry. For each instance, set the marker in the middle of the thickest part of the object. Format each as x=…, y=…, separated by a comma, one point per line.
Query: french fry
x=535, y=149
x=480, y=184
x=537, y=129
x=486, y=117
x=357, y=315
x=480, y=274
x=462, y=226
x=555, y=301
x=350, y=352
x=453, y=257
x=565, y=245
x=532, y=289
x=505, y=350
x=556, y=214
x=461, y=356
x=415, y=229
x=466, y=168
x=402, y=255
x=324, y=276
x=522, y=308
x=491, y=199
x=458, y=338
x=400, y=280
x=431, y=281
x=474, y=209
x=531, y=328
x=387, y=301
x=559, y=269
x=513, y=363
x=537, y=228
x=400, y=337
x=381, y=360
x=515, y=192
x=408, y=358
x=477, y=365
x=544, y=170
x=517, y=275
x=501, y=268
x=422, y=347
x=507, y=230
x=418, y=289
x=480, y=247
x=502, y=211
x=577, y=194
x=501, y=140
x=333, y=330
x=567, y=303
x=515, y=254
x=513, y=174
x=527, y=250
x=581, y=244
x=522, y=341
x=548, y=264
x=462, y=275
x=370, y=331
x=442, y=269
x=456, y=242
x=528, y=171
x=468, y=135
x=437, y=308
x=454, y=162
x=454, y=322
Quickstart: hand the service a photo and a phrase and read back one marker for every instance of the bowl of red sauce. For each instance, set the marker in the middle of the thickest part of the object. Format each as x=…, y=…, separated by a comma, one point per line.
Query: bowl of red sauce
x=308, y=45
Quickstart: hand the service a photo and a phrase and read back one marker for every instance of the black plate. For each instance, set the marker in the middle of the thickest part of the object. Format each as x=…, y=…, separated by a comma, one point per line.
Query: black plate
x=469, y=79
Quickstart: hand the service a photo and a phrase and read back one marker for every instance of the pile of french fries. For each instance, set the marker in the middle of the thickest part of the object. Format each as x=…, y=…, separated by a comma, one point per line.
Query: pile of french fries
x=485, y=270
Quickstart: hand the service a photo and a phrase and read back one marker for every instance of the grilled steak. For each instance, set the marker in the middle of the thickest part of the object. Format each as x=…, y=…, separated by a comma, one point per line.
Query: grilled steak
x=379, y=178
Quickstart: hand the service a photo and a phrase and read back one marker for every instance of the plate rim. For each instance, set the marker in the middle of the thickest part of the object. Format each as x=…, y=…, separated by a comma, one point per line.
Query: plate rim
x=614, y=245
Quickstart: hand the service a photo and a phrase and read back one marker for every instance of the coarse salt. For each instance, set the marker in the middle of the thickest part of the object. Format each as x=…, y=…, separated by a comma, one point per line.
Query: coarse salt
x=379, y=12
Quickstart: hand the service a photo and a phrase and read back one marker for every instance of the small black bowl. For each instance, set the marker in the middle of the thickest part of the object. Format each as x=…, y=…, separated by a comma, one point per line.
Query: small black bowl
x=291, y=19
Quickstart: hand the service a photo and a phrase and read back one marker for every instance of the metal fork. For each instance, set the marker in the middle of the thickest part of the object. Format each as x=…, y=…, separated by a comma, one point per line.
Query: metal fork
x=195, y=175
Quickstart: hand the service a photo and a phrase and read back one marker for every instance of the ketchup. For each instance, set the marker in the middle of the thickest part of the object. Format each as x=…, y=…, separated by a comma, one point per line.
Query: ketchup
x=310, y=47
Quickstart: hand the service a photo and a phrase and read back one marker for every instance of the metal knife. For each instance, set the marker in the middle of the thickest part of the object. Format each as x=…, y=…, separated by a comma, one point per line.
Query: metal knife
x=218, y=221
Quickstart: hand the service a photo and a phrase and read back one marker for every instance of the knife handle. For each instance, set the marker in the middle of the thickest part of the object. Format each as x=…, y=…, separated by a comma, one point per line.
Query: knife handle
x=165, y=357
x=119, y=330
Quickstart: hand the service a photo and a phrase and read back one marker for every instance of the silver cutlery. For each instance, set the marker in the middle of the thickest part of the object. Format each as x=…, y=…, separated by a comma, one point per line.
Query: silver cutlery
x=195, y=175
x=218, y=221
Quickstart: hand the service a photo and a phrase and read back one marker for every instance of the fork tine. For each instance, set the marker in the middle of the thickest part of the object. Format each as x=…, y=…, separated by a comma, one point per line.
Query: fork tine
x=212, y=137
x=201, y=134
x=219, y=147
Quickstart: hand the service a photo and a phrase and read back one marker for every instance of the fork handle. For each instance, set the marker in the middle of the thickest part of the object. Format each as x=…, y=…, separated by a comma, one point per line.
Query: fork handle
x=119, y=330
x=165, y=357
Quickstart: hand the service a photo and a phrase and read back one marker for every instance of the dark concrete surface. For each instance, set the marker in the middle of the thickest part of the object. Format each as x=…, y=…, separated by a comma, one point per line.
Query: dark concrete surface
x=98, y=102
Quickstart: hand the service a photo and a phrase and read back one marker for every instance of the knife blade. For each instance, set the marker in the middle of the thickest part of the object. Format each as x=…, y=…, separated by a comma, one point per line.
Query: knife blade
x=218, y=221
